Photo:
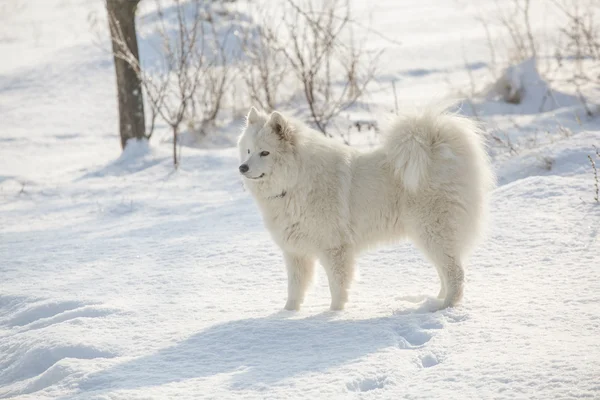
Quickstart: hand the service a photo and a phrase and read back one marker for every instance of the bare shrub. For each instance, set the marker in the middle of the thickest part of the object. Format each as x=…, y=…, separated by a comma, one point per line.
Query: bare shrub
x=516, y=39
x=318, y=51
x=581, y=33
x=216, y=78
x=170, y=89
x=315, y=43
x=190, y=84
x=580, y=42
x=265, y=69
x=595, y=172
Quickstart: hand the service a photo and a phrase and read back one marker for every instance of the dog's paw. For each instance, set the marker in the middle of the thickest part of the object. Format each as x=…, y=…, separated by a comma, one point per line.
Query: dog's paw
x=336, y=306
x=292, y=305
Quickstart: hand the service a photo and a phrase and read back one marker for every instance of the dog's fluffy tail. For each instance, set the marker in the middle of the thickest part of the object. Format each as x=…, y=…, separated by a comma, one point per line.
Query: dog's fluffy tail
x=415, y=142
x=409, y=152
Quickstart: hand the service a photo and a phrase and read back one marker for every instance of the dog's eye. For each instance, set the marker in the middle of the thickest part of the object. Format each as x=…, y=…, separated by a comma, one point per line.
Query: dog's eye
x=248, y=151
x=264, y=153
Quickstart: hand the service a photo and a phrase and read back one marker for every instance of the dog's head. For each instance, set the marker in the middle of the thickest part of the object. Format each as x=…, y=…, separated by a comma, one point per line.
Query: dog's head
x=267, y=149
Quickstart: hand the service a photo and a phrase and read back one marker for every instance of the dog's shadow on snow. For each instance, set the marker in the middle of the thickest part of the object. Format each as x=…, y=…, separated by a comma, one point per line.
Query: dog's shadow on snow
x=263, y=351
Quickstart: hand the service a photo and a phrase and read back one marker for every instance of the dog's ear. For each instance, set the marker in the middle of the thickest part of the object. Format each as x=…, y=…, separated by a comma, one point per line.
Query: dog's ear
x=280, y=126
x=253, y=116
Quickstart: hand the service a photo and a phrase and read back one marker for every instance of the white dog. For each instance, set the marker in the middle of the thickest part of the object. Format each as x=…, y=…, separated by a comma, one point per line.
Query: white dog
x=429, y=181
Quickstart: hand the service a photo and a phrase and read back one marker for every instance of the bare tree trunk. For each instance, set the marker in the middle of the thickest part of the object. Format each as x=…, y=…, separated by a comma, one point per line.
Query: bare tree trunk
x=175, y=161
x=121, y=14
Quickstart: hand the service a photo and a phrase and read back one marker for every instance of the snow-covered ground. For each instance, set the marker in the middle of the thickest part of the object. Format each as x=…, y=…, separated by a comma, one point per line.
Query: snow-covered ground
x=122, y=279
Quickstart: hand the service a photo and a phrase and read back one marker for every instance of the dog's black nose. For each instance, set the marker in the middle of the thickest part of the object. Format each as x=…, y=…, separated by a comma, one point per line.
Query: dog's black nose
x=244, y=168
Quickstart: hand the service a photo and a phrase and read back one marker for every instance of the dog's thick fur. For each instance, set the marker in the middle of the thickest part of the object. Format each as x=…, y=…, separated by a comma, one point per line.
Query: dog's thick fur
x=320, y=199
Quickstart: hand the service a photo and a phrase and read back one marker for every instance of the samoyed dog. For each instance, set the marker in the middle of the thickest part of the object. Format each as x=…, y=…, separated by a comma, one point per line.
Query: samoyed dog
x=320, y=199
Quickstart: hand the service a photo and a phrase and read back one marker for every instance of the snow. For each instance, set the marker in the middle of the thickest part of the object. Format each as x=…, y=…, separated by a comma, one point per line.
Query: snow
x=122, y=279
x=523, y=82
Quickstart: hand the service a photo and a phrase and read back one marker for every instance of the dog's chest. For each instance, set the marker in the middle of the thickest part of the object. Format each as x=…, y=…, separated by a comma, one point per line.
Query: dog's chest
x=289, y=229
x=293, y=227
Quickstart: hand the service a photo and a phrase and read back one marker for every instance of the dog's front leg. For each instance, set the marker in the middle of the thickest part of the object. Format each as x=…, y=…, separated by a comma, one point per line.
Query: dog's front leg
x=339, y=265
x=300, y=270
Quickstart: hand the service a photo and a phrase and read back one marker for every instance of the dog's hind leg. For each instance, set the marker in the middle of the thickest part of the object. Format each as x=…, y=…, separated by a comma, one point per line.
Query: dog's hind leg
x=451, y=274
x=455, y=280
x=339, y=265
x=448, y=266
x=300, y=270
